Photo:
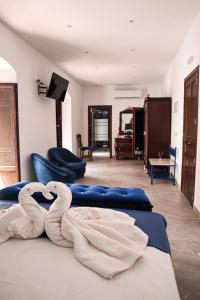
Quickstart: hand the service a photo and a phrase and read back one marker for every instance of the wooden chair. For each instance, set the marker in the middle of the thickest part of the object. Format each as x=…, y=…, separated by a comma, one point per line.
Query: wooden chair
x=82, y=148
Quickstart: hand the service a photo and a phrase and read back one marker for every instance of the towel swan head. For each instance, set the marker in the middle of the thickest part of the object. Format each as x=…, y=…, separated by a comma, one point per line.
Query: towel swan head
x=61, y=189
x=33, y=187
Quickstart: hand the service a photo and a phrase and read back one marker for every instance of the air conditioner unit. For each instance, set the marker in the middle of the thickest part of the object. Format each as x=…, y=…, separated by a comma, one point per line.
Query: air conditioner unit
x=127, y=94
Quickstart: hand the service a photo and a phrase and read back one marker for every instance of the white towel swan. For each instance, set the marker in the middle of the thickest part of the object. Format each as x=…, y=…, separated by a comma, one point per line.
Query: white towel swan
x=55, y=213
x=26, y=219
x=104, y=240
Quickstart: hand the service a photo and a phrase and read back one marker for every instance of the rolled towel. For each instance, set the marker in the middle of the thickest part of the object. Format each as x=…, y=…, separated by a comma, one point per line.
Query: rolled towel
x=31, y=224
x=104, y=240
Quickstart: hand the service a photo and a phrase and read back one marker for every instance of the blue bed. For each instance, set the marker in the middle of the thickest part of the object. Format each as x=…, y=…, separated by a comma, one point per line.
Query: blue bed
x=59, y=276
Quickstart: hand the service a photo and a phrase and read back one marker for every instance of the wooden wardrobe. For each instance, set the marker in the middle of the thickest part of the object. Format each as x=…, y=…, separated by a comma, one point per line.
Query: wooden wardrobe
x=157, y=128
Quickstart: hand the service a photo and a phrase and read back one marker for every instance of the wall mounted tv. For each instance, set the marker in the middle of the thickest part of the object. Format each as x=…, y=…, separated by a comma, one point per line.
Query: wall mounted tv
x=57, y=87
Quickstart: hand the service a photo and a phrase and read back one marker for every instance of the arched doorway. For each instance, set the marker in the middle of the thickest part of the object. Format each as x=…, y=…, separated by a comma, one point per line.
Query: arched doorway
x=9, y=140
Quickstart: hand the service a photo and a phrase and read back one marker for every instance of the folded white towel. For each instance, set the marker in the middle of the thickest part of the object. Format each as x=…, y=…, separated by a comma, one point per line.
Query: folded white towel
x=104, y=240
x=26, y=219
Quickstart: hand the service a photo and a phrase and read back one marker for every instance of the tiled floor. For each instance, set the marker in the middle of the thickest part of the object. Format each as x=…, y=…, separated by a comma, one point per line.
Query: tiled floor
x=183, y=224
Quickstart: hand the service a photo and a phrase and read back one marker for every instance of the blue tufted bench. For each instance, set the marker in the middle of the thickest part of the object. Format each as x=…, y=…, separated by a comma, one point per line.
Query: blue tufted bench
x=110, y=197
x=92, y=195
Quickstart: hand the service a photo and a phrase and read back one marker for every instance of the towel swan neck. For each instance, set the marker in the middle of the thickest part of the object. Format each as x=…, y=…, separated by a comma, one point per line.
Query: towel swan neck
x=56, y=211
x=32, y=224
x=64, y=195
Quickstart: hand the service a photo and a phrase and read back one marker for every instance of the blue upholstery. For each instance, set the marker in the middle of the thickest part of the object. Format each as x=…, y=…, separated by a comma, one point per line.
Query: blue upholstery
x=12, y=191
x=67, y=159
x=85, y=148
x=102, y=196
x=92, y=195
x=154, y=225
x=46, y=171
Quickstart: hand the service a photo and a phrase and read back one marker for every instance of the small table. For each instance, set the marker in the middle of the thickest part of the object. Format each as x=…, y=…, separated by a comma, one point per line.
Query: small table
x=161, y=162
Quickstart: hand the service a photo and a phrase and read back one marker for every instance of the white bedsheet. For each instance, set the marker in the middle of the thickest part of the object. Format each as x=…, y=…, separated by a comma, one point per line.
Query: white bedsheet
x=39, y=270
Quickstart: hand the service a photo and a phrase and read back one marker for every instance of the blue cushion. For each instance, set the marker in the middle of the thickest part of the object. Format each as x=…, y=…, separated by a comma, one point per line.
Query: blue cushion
x=92, y=195
x=110, y=197
x=88, y=148
x=11, y=192
x=67, y=159
x=76, y=166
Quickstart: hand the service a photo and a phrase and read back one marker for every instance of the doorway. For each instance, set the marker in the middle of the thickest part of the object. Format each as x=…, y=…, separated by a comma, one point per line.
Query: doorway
x=100, y=128
x=9, y=137
x=190, y=123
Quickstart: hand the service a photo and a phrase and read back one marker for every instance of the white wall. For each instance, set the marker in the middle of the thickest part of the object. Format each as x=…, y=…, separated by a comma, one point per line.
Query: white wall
x=67, y=122
x=186, y=60
x=104, y=95
x=37, y=129
x=7, y=73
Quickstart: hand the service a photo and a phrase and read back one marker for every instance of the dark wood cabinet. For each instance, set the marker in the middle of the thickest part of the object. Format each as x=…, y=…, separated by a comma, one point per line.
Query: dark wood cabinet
x=130, y=142
x=157, y=128
x=123, y=147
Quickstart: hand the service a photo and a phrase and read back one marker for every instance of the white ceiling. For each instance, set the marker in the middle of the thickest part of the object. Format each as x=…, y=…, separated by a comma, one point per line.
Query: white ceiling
x=102, y=28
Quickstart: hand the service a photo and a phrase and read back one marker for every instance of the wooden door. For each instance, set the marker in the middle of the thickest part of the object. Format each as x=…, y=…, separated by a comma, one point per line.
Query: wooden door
x=9, y=143
x=59, y=123
x=190, y=134
x=157, y=128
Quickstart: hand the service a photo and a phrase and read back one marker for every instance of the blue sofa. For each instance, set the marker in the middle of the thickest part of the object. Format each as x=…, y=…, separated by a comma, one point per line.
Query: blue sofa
x=67, y=159
x=46, y=171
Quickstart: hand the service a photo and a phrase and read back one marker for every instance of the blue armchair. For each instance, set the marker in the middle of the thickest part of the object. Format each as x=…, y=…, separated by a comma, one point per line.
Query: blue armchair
x=46, y=171
x=67, y=159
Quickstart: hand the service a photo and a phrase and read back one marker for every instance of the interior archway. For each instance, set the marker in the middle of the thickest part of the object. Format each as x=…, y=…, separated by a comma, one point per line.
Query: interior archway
x=9, y=145
x=7, y=72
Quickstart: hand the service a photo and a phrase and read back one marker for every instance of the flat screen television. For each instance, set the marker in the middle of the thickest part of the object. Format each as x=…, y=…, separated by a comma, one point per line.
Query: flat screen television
x=57, y=87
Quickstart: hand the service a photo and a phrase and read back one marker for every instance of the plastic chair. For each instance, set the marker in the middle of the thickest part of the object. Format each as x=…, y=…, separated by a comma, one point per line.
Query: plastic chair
x=46, y=171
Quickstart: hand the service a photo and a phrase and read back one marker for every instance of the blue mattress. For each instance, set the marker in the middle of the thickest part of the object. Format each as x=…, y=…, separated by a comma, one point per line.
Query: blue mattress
x=153, y=224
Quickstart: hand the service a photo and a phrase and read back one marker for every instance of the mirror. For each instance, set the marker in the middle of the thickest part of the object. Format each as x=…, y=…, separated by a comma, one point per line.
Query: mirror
x=126, y=122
